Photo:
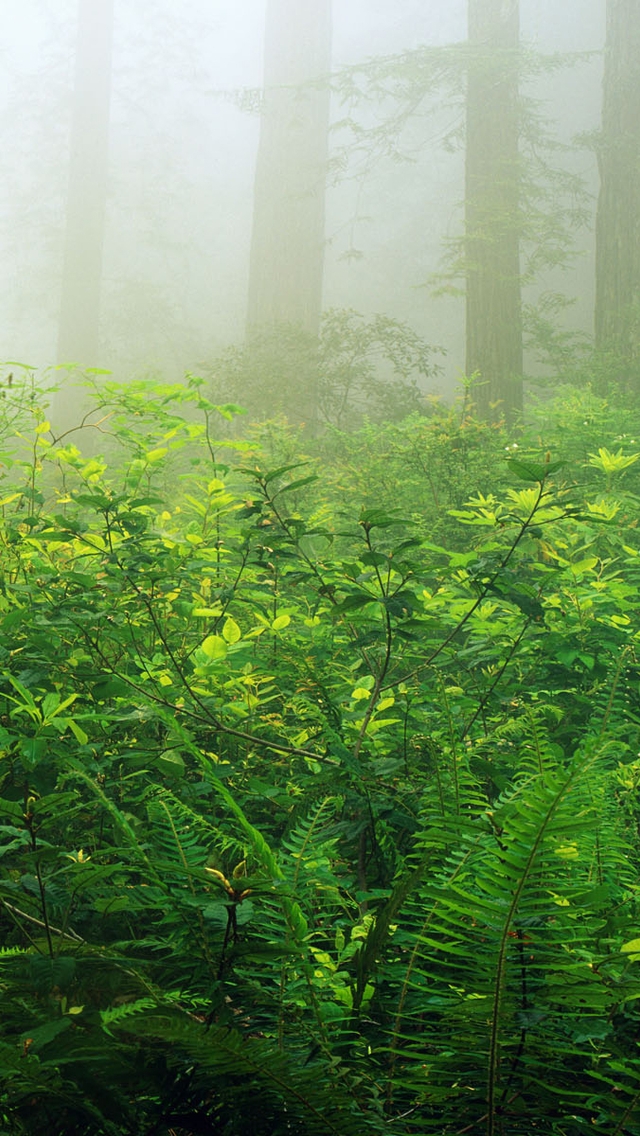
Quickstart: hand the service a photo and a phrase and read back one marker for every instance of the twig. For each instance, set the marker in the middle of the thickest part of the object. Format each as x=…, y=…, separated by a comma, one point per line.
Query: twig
x=40, y=923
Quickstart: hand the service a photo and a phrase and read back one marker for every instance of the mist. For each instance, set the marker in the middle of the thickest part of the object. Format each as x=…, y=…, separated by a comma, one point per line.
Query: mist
x=179, y=175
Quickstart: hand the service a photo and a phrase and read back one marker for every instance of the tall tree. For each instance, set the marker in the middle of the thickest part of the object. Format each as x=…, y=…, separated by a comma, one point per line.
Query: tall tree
x=86, y=202
x=492, y=206
x=617, y=316
x=285, y=284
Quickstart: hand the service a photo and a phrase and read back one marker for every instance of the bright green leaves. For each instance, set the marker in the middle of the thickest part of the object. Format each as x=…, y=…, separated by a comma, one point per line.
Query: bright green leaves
x=280, y=622
x=45, y=713
x=566, y=851
x=610, y=463
x=481, y=511
x=154, y=456
x=231, y=633
x=215, y=647
x=360, y=693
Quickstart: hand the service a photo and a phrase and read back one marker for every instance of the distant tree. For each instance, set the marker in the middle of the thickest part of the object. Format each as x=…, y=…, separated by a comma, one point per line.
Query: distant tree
x=617, y=315
x=287, y=248
x=78, y=334
x=522, y=204
x=492, y=208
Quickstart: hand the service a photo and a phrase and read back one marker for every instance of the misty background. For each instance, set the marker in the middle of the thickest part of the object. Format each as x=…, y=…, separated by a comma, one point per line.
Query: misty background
x=181, y=167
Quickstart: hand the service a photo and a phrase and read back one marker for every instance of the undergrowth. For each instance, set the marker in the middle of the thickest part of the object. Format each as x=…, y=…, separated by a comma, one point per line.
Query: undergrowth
x=318, y=779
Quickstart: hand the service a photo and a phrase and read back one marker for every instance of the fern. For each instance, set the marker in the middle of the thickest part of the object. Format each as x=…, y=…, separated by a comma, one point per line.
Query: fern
x=289, y=1094
x=502, y=946
x=116, y=1014
x=14, y=952
x=198, y=837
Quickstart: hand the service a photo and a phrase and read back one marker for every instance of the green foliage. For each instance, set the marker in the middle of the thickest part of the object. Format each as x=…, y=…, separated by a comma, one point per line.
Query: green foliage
x=355, y=367
x=317, y=817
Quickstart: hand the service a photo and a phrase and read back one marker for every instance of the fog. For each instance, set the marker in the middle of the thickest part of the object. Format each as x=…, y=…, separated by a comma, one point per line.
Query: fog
x=181, y=167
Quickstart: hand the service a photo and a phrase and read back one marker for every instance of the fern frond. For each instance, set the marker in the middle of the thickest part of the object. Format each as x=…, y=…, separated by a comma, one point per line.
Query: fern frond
x=192, y=825
x=115, y=1015
x=490, y=967
x=7, y=953
x=292, y=1093
x=172, y=833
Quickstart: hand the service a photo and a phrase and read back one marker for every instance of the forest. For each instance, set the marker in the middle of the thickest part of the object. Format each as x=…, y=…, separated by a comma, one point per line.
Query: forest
x=320, y=569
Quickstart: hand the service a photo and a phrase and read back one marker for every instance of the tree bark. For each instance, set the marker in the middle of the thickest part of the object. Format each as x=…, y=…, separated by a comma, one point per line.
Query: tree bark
x=78, y=335
x=492, y=208
x=287, y=249
x=617, y=314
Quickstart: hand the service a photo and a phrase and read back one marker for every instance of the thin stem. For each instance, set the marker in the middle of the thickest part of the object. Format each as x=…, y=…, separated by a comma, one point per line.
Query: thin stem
x=30, y=825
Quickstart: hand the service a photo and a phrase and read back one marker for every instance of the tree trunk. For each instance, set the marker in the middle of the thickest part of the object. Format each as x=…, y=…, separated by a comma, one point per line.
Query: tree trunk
x=492, y=221
x=78, y=334
x=617, y=315
x=287, y=248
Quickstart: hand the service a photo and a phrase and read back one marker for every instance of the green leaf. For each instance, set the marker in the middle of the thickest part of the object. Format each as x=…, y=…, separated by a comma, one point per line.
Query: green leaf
x=153, y=456
x=354, y=601
x=41, y=1036
x=532, y=471
x=231, y=632
x=299, y=483
x=172, y=763
x=374, y=559
x=29, y=700
x=282, y=469
x=632, y=948
x=360, y=693
x=381, y=519
x=77, y=732
x=215, y=647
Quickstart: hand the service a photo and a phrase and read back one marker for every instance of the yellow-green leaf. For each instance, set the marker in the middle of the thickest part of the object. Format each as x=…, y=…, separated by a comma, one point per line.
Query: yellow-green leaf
x=215, y=647
x=156, y=455
x=567, y=851
x=359, y=693
x=379, y=724
x=280, y=622
x=78, y=732
x=231, y=632
x=385, y=704
x=586, y=565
